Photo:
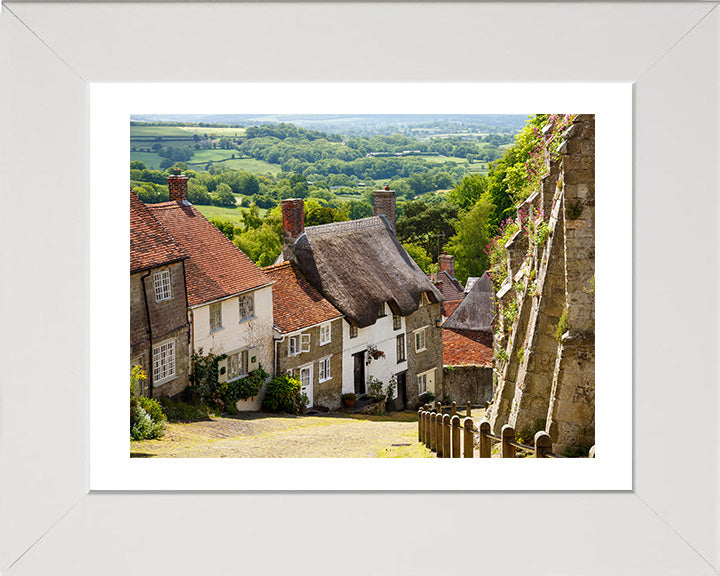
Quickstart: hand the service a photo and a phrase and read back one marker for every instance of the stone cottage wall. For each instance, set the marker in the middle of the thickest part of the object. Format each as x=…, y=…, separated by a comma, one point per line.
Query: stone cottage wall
x=431, y=358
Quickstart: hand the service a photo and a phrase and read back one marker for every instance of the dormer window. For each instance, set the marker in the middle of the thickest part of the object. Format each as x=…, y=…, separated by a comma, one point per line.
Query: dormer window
x=353, y=331
x=381, y=311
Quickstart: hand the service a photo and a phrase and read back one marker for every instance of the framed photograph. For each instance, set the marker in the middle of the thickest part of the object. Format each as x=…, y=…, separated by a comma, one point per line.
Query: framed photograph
x=78, y=73
x=113, y=107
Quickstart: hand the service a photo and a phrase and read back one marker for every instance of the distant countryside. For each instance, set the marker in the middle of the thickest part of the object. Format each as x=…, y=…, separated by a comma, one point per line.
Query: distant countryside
x=241, y=167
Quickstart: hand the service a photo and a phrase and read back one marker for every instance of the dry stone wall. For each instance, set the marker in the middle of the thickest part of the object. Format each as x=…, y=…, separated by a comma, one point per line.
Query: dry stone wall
x=545, y=360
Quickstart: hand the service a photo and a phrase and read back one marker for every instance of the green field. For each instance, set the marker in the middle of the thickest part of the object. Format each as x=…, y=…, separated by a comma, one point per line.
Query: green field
x=224, y=131
x=202, y=157
x=152, y=131
x=150, y=159
x=233, y=215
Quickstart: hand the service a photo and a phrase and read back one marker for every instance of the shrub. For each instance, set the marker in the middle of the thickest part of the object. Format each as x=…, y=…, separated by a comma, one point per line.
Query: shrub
x=178, y=411
x=153, y=409
x=142, y=426
x=244, y=388
x=281, y=395
x=426, y=397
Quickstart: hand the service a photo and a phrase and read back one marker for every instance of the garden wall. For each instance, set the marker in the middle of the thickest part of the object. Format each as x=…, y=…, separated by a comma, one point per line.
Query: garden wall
x=463, y=383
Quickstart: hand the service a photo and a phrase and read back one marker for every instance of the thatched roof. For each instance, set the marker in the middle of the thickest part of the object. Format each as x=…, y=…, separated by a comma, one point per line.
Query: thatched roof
x=359, y=265
x=476, y=311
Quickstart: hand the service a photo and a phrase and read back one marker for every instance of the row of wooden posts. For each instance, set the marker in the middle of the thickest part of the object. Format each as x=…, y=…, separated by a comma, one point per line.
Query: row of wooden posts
x=441, y=434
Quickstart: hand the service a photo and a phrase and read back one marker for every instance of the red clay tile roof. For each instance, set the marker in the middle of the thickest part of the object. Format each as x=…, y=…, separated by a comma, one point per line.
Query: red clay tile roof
x=150, y=244
x=469, y=347
x=448, y=286
x=448, y=307
x=216, y=268
x=296, y=304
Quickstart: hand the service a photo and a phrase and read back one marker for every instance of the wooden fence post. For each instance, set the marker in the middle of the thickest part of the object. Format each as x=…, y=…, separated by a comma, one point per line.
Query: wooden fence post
x=543, y=444
x=485, y=445
x=469, y=445
x=446, y=436
x=508, y=435
x=455, y=424
x=468, y=410
x=433, y=431
x=420, y=424
x=592, y=452
x=453, y=408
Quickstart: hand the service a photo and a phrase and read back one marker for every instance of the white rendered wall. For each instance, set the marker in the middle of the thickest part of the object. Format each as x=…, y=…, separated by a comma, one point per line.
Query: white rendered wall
x=236, y=335
x=383, y=337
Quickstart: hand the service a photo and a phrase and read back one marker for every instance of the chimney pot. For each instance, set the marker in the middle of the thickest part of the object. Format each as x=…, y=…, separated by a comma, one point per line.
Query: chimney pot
x=384, y=203
x=177, y=184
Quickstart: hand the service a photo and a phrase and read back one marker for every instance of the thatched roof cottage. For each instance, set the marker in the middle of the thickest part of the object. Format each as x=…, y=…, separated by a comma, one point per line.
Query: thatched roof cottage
x=392, y=311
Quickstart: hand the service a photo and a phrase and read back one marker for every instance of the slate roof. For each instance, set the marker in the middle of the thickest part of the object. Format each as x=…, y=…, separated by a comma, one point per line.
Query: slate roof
x=296, y=304
x=150, y=244
x=476, y=311
x=215, y=267
x=467, y=347
x=450, y=288
x=359, y=265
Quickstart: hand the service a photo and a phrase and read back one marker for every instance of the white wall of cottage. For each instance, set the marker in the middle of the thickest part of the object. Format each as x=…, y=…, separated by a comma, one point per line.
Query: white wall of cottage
x=383, y=337
x=235, y=335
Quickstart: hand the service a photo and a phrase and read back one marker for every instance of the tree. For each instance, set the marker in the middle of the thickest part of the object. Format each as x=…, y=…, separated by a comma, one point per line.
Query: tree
x=225, y=227
x=427, y=224
x=357, y=209
x=418, y=254
x=223, y=196
x=137, y=165
x=473, y=234
x=262, y=245
x=468, y=191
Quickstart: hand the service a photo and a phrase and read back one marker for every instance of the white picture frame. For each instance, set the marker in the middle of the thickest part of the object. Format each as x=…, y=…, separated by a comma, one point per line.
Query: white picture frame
x=668, y=523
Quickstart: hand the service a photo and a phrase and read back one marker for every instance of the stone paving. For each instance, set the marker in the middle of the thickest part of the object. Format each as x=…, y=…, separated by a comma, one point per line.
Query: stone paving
x=257, y=435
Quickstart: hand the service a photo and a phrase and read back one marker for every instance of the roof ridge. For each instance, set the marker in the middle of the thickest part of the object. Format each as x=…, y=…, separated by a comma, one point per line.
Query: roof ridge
x=360, y=224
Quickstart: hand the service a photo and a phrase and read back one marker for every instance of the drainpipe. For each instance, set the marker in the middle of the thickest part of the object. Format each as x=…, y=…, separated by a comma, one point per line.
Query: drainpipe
x=277, y=358
x=147, y=315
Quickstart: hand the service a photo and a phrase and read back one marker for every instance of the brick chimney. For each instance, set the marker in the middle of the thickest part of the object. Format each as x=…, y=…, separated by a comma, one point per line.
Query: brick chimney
x=447, y=264
x=293, y=217
x=177, y=183
x=384, y=203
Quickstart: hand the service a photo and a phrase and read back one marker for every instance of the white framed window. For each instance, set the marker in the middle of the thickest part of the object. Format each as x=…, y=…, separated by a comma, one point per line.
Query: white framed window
x=304, y=342
x=325, y=334
x=397, y=322
x=324, y=369
x=426, y=381
x=163, y=288
x=237, y=364
x=400, y=347
x=215, y=316
x=421, y=339
x=293, y=349
x=246, y=306
x=163, y=361
x=353, y=331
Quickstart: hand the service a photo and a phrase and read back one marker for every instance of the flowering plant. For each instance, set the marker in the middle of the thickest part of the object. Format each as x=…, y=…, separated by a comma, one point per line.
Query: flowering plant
x=374, y=353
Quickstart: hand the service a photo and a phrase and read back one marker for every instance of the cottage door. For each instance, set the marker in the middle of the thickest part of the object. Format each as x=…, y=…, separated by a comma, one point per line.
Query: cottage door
x=359, y=373
x=402, y=390
x=306, y=382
